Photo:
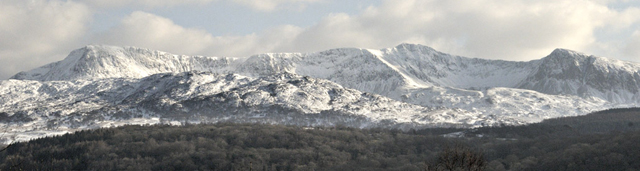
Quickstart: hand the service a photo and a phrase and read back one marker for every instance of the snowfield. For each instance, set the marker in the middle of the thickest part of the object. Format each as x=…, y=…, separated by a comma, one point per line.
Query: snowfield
x=408, y=86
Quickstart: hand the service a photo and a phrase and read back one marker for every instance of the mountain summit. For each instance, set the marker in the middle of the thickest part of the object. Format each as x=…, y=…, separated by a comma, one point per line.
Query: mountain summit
x=407, y=86
x=572, y=73
x=100, y=61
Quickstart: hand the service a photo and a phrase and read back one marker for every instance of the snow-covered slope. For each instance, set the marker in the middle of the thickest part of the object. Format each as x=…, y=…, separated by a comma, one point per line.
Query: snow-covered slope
x=44, y=107
x=429, y=65
x=572, y=73
x=405, y=86
x=408, y=65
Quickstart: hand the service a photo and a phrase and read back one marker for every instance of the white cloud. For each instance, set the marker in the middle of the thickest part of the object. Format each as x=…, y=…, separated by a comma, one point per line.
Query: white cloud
x=260, y=5
x=514, y=30
x=632, y=49
x=147, y=30
x=34, y=33
x=270, y=40
x=270, y=5
x=143, y=3
x=42, y=31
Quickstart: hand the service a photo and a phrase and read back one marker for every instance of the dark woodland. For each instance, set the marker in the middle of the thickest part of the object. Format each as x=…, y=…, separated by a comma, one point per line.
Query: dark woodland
x=606, y=140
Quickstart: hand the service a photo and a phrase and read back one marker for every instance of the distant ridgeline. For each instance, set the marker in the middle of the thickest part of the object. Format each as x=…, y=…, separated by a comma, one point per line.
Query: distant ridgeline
x=617, y=119
x=601, y=122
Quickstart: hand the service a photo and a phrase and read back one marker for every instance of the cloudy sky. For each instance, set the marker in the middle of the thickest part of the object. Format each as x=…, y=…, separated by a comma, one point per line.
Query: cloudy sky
x=37, y=32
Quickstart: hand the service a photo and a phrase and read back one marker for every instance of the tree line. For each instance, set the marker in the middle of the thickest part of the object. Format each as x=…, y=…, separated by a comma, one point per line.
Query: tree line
x=610, y=143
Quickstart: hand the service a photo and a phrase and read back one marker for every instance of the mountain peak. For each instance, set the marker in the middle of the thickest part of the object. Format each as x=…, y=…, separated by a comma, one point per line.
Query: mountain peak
x=92, y=51
x=99, y=47
x=104, y=61
x=101, y=51
x=564, y=53
x=111, y=48
x=413, y=47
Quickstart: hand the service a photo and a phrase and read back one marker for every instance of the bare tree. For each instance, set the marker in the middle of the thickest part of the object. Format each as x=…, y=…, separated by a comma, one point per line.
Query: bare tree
x=2, y=136
x=459, y=158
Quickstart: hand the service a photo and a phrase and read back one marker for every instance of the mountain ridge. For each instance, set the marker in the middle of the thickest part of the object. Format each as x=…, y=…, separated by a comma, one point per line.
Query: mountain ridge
x=406, y=86
x=389, y=72
x=573, y=73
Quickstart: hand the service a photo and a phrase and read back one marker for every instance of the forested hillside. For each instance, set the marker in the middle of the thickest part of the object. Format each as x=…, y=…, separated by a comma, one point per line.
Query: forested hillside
x=610, y=143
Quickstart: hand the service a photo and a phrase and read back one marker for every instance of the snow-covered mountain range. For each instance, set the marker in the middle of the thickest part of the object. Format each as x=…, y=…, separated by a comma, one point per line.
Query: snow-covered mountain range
x=408, y=86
